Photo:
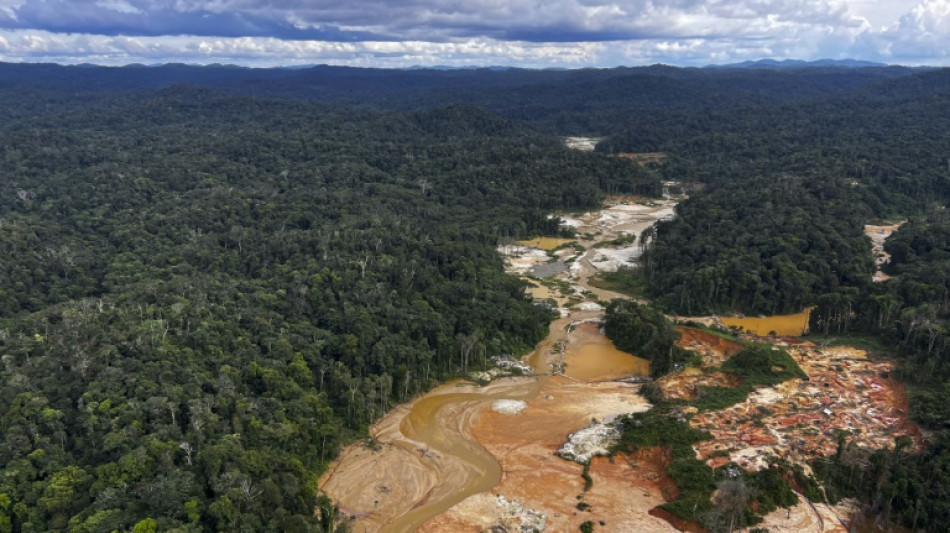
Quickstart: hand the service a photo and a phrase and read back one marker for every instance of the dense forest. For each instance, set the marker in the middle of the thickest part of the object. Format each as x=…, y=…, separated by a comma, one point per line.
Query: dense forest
x=778, y=227
x=203, y=296
x=212, y=278
x=788, y=189
x=909, y=315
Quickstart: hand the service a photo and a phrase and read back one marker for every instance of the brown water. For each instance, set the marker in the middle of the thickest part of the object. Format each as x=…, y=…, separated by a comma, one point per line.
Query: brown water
x=783, y=325
x=545, y=243
x=590, y=355
x=482, y=470
x=540, y=292
x=436, y=428
x=442, y=422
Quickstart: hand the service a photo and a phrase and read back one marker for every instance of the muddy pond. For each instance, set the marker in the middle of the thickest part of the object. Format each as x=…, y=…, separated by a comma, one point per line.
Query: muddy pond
x=591, y=355
x=783, y=325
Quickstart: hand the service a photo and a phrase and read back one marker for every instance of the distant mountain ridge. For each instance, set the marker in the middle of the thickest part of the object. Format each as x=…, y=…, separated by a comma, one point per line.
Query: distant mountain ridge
x=799, y=63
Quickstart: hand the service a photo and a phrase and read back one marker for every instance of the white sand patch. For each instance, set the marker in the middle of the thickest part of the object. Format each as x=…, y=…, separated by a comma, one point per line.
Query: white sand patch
x=521, y=259
x=611, y=259
x=571, y=222
x=590, y=306
x=584, y=144
x=576, y=269
x=508, y=407
x=879, y=234
x=667, y=213
x=765, y=395
x=754, y=458
x=615, y=210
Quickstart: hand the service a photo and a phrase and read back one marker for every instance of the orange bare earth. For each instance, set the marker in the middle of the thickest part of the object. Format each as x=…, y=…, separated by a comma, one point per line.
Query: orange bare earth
x=623, y=490
x=468, y=458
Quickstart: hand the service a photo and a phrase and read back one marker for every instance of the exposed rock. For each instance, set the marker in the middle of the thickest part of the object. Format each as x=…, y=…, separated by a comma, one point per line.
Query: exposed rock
x=611, y=259
x=511, y=364
x=531, y=520
x=480, y=377
x=595, y=439
x=505, y=365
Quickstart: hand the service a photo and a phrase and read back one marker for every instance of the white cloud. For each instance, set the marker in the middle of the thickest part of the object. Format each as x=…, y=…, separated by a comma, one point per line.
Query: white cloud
x=120, y=6
x=434, y=20
x=44, y=46
x=878, y=13
x=920, y=36
x=557, y=33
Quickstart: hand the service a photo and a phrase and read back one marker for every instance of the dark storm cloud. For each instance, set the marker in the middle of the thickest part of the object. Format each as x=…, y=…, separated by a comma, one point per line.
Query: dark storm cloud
x=355, y=20
x=429, y=20
x=152, y=19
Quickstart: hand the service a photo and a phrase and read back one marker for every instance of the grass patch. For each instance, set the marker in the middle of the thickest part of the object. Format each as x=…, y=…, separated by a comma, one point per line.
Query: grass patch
x=717, y=398
x=623, y=240
x=624, y=281
x=761, y=364
x=555, y=284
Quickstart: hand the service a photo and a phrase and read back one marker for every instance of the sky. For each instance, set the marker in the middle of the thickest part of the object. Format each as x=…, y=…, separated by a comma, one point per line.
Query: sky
x=461, y=33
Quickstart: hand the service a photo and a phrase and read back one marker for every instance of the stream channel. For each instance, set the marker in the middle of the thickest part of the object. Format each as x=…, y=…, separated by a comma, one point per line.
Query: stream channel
x=427, y=459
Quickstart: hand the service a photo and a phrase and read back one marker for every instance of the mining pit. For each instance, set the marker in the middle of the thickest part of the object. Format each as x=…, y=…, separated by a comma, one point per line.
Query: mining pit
x=465, y=457
x=878, y=234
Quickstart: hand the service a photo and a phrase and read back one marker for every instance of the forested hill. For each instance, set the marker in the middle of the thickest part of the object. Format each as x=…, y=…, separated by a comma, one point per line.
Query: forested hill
x=212, y=277
x=203, y=296
x=788, y=190
x=568, y=101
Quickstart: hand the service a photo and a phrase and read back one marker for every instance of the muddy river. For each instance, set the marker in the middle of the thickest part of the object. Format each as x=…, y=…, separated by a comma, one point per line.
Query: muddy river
x=468, y=458
x=428, y=461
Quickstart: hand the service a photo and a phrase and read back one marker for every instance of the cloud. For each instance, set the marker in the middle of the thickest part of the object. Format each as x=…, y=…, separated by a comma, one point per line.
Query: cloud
x=146, y=18
x=555, y=33
x=920, y=36
x=429, y=20
x=33, y=46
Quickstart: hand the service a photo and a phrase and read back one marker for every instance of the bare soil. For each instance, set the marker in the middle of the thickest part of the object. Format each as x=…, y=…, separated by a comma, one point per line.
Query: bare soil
x=623, y=490
x=447, y=463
